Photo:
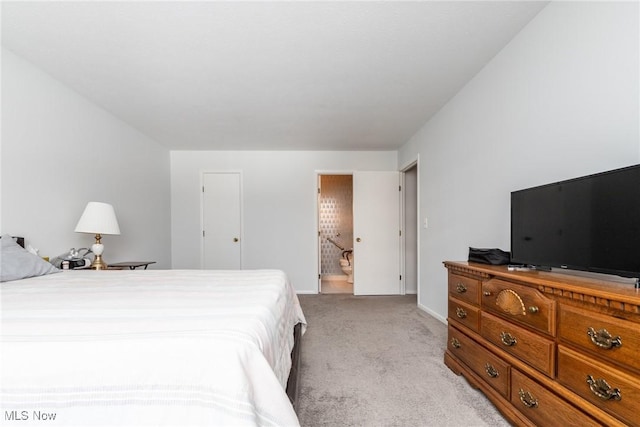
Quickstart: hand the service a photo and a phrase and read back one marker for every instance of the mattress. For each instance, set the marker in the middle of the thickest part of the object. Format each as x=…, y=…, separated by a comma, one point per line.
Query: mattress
x=148, y=347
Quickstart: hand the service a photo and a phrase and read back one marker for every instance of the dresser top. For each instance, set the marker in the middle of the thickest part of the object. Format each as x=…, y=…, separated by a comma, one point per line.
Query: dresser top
x=612, y=293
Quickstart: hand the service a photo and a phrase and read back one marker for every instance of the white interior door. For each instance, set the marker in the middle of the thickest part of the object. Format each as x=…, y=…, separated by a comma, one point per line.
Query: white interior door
x=221, y=219
x=376, y=226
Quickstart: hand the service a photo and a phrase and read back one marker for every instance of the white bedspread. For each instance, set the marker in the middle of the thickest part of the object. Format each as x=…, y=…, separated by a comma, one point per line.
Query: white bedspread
x=148, y=347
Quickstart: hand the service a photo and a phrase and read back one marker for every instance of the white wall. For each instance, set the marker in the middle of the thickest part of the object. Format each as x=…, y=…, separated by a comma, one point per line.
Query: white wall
x=60, y=151
x=560, y=101
x=279, y=205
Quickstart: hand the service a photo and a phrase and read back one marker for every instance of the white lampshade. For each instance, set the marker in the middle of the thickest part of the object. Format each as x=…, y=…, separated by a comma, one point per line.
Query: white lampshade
x=98, y=218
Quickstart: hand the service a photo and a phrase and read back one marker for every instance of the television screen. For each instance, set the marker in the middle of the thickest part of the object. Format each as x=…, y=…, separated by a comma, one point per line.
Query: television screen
x=590, y=223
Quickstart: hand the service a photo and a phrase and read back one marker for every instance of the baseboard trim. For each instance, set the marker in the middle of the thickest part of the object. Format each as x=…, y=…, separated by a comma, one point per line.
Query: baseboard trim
x=432, y=313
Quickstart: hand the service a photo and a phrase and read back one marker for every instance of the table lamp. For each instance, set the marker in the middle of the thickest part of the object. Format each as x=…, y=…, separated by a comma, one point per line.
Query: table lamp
x=98, y=218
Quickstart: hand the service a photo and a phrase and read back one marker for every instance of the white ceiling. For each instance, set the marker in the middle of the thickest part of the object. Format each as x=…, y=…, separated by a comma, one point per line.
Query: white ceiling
x=266, y=75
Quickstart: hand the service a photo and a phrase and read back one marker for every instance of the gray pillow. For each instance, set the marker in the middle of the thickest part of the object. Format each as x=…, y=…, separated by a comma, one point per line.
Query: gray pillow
x=17, y=263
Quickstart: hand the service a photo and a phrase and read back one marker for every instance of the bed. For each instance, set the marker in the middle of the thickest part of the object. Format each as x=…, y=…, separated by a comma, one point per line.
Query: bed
x=150, y=347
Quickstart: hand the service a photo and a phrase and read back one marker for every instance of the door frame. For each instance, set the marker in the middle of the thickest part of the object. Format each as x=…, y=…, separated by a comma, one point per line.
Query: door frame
x=415, y=161
x=231, y=171
x=317, y=175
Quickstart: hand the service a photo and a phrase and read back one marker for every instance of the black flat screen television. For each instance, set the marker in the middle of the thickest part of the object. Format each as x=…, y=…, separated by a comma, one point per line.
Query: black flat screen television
x=590, y=223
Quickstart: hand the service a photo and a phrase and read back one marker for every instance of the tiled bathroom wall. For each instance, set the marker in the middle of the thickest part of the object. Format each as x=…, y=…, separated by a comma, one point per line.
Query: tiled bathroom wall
x=336, y=220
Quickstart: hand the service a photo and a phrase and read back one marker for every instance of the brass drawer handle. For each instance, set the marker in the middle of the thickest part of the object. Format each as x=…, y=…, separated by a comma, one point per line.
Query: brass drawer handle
x=527, y=399
x=508, y=339
x=602, y=389
x=604, y=339
x=491, y=371
x=533, y=309
x=487, y=293
x=461, y=288
x=455, y=343
x=461, y=313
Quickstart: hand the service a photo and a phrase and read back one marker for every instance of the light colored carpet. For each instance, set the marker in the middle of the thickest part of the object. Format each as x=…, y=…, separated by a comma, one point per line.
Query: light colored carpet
x=378, y=361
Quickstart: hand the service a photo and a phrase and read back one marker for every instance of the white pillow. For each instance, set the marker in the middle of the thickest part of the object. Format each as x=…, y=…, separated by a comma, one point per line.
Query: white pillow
x=17, y=263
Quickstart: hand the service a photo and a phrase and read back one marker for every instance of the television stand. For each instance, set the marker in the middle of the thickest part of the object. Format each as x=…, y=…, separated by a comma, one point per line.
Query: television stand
x=544, y=346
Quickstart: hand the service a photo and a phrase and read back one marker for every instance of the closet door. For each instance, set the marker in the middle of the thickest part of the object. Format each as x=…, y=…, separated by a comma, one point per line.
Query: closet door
x=221, y=220
x=376, y=224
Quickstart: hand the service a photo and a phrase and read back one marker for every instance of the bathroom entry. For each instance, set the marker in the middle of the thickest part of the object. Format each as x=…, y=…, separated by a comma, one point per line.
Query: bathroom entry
x=335, y=225
x=371, y=227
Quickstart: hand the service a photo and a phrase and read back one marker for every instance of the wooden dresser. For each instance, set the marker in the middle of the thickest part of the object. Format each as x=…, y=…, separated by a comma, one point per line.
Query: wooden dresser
x=546, y=348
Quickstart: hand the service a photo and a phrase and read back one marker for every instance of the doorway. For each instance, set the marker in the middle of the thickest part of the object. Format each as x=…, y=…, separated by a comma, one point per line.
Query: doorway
x=367, y=245
x=335, y=231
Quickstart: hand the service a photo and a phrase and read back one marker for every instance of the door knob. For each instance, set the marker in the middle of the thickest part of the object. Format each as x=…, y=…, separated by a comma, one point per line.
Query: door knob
x=235, y=239
x=358, y=240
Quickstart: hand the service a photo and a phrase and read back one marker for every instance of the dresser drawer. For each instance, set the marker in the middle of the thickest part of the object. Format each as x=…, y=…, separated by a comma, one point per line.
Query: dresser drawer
x=542, y=406
x=614, y=391
x=608, y=337
x=464, y=314
x=495, y=371
x=464, y=288
x=533, y=349
x=520, y=303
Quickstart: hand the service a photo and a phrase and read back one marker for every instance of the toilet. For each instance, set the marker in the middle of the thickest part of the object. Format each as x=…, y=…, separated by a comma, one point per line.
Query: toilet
x=346, y=264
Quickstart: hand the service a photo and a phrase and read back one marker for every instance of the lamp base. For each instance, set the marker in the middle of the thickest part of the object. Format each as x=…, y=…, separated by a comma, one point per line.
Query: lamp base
x=98, y=248
x=98, y=263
